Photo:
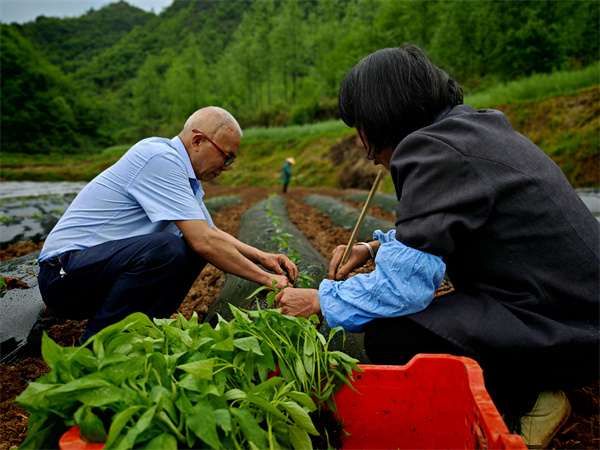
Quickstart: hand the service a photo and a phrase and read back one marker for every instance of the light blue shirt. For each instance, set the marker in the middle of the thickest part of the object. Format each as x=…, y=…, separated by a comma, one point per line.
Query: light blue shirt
x=404, y=282
x=152, y=185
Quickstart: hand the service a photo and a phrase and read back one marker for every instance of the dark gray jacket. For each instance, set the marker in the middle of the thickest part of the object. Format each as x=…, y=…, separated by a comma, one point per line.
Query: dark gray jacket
x=521, y=248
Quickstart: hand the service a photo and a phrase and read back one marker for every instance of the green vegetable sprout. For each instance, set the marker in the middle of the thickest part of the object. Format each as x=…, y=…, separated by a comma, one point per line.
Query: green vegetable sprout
x=3, y=287
x=177, y=383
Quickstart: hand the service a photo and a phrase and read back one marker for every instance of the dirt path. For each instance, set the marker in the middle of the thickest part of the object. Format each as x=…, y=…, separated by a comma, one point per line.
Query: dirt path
x=581, y=432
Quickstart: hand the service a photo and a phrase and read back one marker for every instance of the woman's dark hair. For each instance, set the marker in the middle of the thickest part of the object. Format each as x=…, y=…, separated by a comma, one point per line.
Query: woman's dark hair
x=393, y=92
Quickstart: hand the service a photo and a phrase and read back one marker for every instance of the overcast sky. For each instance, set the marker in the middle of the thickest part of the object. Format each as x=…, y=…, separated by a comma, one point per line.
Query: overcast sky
x=22, y=11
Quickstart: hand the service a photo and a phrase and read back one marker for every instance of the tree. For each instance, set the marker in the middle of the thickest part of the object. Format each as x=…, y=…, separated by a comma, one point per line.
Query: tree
x=41, y=111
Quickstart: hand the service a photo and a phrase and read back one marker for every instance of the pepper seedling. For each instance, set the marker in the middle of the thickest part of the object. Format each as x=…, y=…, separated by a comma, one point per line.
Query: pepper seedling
x=302, y=282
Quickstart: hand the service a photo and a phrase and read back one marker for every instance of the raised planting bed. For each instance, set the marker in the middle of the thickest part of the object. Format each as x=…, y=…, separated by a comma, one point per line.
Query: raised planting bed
x=345, y=216
x=387, y=202
x=266, y=226
x=214, y=204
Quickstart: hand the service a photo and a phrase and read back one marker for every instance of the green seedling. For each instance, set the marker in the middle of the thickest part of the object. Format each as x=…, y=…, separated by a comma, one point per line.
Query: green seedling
x=178, y=383
x=3, y=287
x=302, y=281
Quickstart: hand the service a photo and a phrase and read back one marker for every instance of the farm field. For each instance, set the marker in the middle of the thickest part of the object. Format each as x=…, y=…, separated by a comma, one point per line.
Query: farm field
x=582, y=430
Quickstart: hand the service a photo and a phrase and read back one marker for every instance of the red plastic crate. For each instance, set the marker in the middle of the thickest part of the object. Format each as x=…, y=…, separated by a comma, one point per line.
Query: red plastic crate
x=433, y=402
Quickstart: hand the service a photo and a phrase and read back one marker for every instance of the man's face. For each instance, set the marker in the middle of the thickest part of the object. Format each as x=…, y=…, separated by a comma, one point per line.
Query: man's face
x=209, y=161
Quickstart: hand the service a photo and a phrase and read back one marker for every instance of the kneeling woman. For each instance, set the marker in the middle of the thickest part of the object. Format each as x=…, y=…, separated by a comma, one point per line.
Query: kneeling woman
x=483, y=204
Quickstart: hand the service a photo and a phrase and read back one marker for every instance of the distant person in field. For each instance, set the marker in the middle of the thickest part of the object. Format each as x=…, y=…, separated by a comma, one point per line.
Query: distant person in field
x=138, y=235
x=286, y=173
x=483, y=204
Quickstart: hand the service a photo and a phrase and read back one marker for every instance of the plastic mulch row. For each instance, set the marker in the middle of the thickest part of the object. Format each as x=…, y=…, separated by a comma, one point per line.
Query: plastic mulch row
x=257, y=229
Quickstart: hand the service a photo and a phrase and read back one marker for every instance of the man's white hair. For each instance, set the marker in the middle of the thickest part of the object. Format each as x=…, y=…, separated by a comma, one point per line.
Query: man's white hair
x=223, y=119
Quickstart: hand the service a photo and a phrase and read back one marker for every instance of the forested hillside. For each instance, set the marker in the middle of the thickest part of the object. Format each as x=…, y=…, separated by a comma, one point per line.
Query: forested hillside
x=118, y=74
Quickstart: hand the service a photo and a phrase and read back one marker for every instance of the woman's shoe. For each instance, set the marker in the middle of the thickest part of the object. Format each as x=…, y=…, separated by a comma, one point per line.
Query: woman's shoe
x=549, y=414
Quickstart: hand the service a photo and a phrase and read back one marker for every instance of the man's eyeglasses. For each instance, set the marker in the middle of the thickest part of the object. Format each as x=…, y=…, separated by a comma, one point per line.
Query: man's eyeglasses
x=228, y=158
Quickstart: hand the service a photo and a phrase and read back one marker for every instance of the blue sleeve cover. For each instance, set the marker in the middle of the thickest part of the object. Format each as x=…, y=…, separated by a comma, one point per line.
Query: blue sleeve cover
x=404, y=282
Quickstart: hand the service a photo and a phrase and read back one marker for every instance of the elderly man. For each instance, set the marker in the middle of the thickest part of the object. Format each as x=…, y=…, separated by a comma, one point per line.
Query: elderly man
x=138, y=235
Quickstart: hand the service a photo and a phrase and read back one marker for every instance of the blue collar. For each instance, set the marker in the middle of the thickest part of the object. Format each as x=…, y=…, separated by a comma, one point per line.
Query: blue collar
x=194, y=182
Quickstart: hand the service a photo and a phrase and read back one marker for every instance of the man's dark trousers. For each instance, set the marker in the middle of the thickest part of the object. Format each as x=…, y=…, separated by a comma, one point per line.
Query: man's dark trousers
x=151, y=274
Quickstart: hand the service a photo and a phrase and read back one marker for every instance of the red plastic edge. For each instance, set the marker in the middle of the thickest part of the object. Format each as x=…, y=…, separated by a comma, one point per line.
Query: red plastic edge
x=71, y=440
x=494, y=426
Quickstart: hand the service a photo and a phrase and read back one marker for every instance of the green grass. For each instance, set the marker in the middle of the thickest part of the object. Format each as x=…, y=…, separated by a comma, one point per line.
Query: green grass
x=263, y=150
x=328, y=128
x=535, y=88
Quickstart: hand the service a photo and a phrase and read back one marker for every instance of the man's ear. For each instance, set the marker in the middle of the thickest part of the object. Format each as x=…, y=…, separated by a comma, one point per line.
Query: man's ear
x=197, y=138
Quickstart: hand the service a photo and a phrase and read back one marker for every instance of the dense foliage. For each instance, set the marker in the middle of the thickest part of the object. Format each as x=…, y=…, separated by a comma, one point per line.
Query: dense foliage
x=119, y=74
x=247, y=383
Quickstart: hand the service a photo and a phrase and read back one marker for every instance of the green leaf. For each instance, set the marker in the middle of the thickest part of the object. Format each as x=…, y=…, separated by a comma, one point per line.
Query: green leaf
x=299, y=438
x=42, y=431
x=286, y=372
x=299, y=368
x=248, y=344
x=300, y=416
x=309, y=347
x=269, y=384
x=201, y=369
x=239, y=315
x=112, y=358
x=204, y=424
x=175, y=333
x=119, y=421
x=256, y=291
x=51, y=351
x=265, y=405
x=271, y=298
x=117, y=373
x=225, y=345
x=91, y=391
x=193, y=383
x=308, y=364
x=35, y=395
x=146, y=419
x=164, y=441
x=303, y=399
x=162, y=397
x=250, y=427
x=281, y=434
x=138, y=428
x=92, y=428
x=234, y=394
x=265, y=358
x=223, y=419
x=157, y=363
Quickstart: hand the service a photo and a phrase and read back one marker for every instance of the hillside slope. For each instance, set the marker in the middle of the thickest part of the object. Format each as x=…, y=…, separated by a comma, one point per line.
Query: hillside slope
x=566, y=127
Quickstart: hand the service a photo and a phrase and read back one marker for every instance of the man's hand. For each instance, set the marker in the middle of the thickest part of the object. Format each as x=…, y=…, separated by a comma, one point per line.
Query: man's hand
x=299, y=302
x=280, y=264
x=282, y=281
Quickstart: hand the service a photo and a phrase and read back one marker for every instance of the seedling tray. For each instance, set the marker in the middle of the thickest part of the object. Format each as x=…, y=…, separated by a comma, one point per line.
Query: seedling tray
x=433, y=402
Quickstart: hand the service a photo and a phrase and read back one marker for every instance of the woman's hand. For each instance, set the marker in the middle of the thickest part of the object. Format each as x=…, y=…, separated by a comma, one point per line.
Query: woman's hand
x=299, y=302
x=359, y=255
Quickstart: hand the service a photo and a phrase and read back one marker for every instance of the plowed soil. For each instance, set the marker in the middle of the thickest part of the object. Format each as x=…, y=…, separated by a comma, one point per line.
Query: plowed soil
x=580, y=432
